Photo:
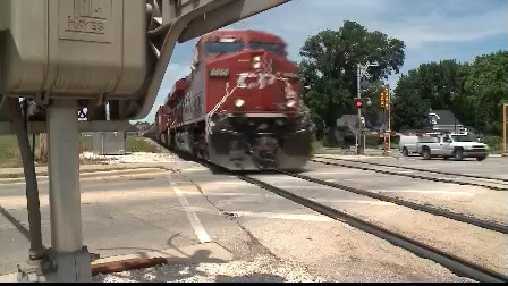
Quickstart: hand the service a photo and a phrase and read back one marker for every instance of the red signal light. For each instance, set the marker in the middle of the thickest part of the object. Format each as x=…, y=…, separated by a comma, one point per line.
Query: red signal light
x=358, y=103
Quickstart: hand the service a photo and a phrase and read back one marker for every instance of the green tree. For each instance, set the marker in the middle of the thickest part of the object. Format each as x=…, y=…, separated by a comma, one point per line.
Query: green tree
x=472, y=91
x=434, y=85
x=486, y=86
x=328, y=68
x=409, y=107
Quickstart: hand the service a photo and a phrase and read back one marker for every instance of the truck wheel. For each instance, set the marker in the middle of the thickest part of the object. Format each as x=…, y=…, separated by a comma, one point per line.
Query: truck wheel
x=459, y=155
x=445, y=157
x=426, y=154
x=405, y=153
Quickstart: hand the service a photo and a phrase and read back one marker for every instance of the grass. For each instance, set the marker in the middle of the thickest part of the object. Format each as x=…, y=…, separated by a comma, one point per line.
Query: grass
x=9, y=154
x=140, y=144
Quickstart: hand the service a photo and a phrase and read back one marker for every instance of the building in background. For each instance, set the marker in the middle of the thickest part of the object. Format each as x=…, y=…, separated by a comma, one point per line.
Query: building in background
x=443, y=120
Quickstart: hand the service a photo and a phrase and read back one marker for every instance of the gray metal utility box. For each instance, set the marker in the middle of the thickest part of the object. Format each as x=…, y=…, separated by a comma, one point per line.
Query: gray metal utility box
x=72, y=48
x=109, y=143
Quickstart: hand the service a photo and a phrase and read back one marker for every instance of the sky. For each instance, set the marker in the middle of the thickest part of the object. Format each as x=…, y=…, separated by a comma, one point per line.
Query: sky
x=432, y=29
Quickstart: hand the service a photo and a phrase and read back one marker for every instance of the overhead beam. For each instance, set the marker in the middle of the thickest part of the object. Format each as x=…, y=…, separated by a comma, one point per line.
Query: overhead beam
x=226, y=15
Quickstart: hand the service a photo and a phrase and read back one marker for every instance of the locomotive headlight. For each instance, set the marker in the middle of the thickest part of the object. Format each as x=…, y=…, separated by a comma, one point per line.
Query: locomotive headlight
x=291, y=103
x=239, y=103
x=256, y=62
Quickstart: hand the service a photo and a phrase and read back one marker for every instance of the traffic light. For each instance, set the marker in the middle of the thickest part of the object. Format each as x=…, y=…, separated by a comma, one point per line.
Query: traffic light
x=384, y=98
x=358, y=103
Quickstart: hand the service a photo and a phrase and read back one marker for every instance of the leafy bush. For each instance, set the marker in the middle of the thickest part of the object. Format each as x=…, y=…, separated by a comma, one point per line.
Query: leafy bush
x=494, y=142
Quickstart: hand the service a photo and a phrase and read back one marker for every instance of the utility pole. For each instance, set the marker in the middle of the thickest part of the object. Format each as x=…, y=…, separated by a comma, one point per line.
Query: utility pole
x=504, y=128
x=389, y=119
x=386, y=106
x=360, y=70
x=359, y=97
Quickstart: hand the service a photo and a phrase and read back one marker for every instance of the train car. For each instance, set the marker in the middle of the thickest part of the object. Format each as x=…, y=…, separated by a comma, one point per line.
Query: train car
x=240, y=108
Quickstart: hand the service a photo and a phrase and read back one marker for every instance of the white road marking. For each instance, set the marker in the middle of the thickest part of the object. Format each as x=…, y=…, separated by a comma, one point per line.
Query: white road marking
x=236, y=194
x=293, y=187
x=355, y=202
x=424, y=192
x=199, y=230
x=327, y=173
x=283, y=216
x=405, y=172
x=195, y=169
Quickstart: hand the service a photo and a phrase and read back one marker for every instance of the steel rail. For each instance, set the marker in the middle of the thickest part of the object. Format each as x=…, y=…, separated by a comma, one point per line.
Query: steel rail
x=441, y=180
x=418, y=169
x=501, y=228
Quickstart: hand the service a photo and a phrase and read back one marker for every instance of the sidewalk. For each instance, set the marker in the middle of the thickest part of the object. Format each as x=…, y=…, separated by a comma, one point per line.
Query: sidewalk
x=107, y=163
x=10, y=278
x=368, y=152
x=379, y=153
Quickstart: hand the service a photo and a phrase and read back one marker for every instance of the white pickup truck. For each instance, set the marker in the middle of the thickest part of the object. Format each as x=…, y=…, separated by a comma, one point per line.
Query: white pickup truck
x=448, y=146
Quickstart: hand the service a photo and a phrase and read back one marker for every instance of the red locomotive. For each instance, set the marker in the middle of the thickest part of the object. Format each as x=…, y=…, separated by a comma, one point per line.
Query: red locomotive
x=240, y=107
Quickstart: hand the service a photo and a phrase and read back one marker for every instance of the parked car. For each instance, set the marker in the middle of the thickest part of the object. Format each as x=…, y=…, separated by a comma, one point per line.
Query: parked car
x=407, y=144
x=447, y=146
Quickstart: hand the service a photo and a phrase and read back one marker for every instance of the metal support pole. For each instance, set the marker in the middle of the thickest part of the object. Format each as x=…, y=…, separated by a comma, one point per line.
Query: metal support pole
x=385, y=131
x=389, y=120
x=364, y=144
x=32, y=191
x=70, y=259
x=504, y=128
x=359, y=148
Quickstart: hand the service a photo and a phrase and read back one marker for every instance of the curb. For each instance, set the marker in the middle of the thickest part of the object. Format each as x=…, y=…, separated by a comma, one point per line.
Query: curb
x=16, y=178
x=9, y=278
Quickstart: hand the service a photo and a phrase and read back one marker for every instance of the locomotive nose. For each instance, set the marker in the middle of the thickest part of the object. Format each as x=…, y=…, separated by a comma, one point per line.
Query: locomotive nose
x=262, y=61
x=262, y=86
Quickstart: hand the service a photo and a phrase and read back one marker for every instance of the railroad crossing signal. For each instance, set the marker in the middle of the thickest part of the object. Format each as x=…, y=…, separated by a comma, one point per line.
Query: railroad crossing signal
x=384, y=98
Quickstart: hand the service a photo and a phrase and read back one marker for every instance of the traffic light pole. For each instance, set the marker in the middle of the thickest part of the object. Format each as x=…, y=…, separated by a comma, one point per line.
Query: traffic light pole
x=388, y=109
x=504, y=128
x=359, y=145
x=389, y=120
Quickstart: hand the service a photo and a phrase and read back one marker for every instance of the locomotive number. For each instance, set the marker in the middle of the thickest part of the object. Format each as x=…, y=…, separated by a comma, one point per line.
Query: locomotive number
x=219, y=72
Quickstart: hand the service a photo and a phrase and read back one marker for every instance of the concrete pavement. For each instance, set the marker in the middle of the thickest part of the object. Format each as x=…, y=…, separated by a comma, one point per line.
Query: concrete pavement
x=213, y=220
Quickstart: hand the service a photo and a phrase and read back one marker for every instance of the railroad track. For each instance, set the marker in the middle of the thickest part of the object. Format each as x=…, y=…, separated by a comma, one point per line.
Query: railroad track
x=454, y=263
x=496, y=184
x=492, y=225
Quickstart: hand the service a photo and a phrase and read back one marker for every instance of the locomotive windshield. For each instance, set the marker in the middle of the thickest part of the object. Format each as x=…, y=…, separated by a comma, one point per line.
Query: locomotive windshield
x=213, y=48
x=231, y=46
x=276, y=48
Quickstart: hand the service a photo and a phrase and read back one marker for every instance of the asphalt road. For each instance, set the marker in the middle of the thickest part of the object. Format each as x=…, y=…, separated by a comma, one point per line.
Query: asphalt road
x=202, y=216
